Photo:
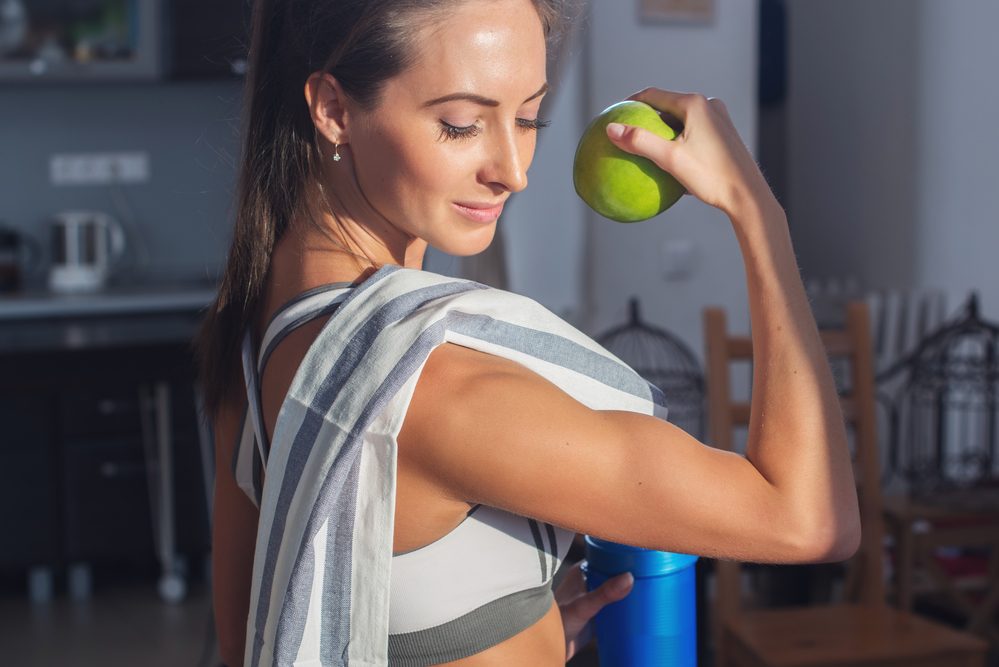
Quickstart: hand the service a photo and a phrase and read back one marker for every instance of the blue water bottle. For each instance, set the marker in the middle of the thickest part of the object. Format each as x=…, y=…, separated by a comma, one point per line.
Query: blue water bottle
x=656, y=624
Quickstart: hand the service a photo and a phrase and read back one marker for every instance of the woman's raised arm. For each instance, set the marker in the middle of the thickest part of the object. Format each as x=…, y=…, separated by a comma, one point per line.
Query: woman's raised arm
x=797, y=438
x=511, y=439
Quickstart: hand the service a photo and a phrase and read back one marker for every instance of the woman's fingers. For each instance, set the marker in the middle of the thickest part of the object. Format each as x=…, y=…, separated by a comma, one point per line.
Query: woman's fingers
x=578, y=606
x=719, y=106
x=675, y=106
x=586, y=606
x=671, y=102
x=708, y=158
x=639, y=141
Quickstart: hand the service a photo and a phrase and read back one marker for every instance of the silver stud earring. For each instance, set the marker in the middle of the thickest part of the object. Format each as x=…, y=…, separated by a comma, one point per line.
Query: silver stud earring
x=336, y=152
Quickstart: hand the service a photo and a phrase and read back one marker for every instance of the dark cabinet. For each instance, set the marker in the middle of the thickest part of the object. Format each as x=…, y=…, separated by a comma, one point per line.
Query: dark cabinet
x=65, y=41
x=80, y=462
x=106, y=506
x=100, y=412
x=29, y=485
x=208, y=40
x=69, y=41
x=111, y=473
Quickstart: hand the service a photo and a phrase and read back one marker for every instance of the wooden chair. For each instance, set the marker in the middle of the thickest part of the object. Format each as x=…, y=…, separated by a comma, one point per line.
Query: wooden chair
x=864, y=630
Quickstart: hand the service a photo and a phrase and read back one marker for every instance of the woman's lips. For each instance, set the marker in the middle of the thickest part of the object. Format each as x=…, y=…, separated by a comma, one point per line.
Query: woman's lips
x=478, y=212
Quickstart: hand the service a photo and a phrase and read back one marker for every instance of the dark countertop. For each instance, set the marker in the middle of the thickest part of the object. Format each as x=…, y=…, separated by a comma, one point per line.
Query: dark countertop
x=39, y=321
x=34, y=304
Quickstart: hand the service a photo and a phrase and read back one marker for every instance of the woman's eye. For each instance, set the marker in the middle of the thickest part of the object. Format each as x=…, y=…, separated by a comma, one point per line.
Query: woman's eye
x=449, y=131
x=533, y=124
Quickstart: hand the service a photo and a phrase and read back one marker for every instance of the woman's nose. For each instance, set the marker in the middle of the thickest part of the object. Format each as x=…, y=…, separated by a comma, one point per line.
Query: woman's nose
x=509, y=163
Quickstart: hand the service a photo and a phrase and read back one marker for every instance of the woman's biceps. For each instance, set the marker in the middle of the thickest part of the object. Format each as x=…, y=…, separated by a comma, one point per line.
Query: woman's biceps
x=542, y=454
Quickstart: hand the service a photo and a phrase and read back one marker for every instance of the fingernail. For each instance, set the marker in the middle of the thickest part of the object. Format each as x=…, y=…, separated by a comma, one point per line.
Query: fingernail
x=624, y=582
x=615, y=130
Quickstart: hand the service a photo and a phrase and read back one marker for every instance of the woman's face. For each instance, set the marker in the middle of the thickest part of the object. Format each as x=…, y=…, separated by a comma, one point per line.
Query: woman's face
x=454, y=135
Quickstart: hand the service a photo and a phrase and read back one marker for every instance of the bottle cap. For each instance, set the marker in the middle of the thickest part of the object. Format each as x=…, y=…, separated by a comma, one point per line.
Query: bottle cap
x=611, y=558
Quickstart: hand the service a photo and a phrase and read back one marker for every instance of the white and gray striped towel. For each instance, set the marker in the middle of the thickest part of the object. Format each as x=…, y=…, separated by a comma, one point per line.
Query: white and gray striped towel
x=323, y=554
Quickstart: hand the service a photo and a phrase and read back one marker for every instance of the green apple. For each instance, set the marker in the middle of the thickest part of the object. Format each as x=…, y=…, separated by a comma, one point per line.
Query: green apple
x=615, y=183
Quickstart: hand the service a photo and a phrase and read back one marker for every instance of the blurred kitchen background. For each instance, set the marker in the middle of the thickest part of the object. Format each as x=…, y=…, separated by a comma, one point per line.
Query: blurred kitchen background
x=874, y=122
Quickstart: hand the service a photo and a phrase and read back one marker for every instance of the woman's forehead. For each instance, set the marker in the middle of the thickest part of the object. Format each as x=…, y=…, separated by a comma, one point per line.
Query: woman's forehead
x=494, y=48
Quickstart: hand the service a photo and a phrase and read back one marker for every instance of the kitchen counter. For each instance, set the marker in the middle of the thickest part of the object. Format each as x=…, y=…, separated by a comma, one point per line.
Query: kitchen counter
x=33, y=304
x=40, y=321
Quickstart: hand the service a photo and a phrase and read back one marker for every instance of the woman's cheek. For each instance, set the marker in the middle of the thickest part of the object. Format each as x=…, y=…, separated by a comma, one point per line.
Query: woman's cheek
x=391, y=164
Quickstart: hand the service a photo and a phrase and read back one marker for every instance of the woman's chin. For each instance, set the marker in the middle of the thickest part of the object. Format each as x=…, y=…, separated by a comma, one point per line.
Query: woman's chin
x=468, y=244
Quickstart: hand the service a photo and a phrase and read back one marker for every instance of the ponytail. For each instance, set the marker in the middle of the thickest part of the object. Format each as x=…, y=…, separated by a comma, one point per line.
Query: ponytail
x=274, y=169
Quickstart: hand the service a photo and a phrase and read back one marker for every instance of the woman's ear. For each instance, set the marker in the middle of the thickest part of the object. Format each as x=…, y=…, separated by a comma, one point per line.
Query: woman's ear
x=327, y=106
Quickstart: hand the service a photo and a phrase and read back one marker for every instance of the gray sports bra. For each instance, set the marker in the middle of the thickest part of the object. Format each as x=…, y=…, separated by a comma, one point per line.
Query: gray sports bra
x=483, y=582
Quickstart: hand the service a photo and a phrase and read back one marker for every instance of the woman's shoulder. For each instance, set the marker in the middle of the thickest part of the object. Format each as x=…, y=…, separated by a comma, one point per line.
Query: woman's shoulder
x=443, y=290
x=464, y=306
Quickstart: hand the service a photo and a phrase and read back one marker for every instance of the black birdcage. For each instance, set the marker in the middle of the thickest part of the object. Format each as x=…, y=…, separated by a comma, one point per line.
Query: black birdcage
x=665, y=361
x=943, y=415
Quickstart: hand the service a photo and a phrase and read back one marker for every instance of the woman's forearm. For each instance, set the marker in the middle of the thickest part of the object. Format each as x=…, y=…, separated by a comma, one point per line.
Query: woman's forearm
x=797, y=439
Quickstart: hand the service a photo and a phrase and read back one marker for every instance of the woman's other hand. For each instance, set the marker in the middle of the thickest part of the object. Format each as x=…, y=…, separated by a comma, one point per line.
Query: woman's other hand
x=708, y=157
x=579, y=606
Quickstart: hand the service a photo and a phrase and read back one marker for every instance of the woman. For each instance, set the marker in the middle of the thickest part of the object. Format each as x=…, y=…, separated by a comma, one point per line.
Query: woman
x=375, y=128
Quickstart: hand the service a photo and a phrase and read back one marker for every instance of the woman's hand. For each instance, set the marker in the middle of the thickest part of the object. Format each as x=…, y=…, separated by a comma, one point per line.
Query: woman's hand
x=708, y=157
x=578, y=606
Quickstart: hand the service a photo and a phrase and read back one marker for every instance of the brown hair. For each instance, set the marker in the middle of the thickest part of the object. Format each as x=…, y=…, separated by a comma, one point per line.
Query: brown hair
x=363, y=43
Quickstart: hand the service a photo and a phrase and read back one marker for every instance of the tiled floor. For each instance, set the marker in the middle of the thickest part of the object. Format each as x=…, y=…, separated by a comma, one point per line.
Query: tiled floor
x=123, y=625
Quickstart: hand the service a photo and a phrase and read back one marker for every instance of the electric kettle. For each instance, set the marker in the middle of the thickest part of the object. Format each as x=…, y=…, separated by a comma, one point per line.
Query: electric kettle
x=86, y=246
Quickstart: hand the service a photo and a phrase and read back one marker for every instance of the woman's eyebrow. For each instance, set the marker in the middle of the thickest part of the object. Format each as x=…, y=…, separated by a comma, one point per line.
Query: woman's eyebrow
x=479, y=99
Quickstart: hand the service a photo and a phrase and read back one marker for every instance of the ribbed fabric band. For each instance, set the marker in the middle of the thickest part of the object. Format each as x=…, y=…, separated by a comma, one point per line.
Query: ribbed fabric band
x=476, y=631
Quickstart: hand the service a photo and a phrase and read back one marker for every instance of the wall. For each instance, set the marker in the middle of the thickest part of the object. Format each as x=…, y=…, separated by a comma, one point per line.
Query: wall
x=958, y=168
x=893, y=151
x=181, y=216
x=851, y=133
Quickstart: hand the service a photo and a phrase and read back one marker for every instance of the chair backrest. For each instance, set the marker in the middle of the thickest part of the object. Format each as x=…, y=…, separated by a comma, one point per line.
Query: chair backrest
x=851, y=344
x=901, y=319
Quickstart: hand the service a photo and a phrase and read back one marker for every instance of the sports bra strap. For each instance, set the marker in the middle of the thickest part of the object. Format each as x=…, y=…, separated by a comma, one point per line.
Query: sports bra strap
x=307, y=306
x=300, y=310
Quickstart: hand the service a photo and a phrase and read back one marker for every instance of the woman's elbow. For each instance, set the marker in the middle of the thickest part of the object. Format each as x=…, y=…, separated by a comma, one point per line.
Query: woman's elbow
x=831, y=542
x=847, y=545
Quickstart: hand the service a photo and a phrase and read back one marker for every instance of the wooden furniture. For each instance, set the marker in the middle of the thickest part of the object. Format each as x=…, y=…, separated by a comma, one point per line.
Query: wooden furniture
x=942, y=440
x=865, y=630
x=919, y=527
